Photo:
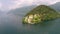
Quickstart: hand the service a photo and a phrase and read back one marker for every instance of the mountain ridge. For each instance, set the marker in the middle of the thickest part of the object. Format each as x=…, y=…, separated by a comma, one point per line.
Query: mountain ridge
x=26, y=9
x=56, y=6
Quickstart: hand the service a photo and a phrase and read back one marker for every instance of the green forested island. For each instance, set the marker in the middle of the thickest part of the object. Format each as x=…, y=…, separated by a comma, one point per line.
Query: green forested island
x=40, y=14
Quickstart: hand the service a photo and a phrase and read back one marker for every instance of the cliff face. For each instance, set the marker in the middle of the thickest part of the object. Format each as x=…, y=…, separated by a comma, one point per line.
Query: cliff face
x=40, y=14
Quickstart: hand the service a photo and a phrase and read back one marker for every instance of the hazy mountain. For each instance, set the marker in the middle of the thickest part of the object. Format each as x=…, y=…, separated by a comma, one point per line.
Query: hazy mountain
x=1, y=12
x=56, y=6
x=21, y=11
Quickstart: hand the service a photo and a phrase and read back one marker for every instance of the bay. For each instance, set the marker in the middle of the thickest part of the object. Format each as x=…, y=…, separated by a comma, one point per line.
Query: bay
x=12, y=24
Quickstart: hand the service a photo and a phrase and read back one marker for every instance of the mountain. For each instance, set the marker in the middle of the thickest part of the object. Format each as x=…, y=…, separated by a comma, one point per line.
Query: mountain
x=21, y=11
x=1, y=12
x=56, y=6
x=40, y=14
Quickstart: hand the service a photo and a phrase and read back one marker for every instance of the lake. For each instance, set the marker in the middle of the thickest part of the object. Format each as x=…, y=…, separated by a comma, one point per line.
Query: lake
x=12, y=24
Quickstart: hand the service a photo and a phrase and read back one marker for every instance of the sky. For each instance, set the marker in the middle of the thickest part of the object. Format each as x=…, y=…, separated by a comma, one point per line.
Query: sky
x=6, y=5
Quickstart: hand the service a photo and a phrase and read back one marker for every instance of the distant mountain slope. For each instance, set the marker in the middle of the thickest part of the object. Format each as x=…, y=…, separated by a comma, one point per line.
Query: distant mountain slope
x=1, y=12
x=56, y=6
x=21, y=11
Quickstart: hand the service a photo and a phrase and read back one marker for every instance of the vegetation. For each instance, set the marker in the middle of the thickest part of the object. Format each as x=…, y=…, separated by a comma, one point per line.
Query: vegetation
x=40, y=14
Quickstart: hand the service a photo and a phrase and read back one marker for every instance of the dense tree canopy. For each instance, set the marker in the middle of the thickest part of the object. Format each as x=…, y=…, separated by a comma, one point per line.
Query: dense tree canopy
x=40, y=14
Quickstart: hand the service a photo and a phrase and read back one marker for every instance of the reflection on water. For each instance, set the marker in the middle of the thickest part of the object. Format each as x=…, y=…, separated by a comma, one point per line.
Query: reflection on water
x=11, y=24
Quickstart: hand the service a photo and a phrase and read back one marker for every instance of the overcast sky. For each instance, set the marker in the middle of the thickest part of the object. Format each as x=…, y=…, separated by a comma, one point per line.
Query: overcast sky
x=13, y=4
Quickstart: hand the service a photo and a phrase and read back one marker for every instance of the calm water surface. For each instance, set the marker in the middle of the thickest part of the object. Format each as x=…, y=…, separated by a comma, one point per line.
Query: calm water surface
x=11, y=24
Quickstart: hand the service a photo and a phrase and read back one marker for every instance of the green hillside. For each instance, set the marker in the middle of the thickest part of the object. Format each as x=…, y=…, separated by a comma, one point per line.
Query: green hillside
x=40, y=14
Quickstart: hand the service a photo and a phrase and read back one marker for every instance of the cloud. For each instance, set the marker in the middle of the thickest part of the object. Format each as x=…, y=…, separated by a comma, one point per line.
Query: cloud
x=13, y=4
x=0, y=5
